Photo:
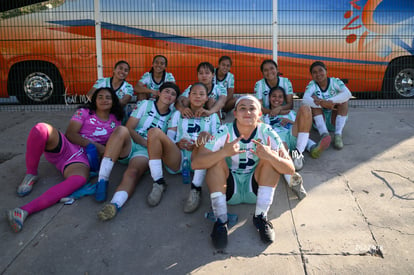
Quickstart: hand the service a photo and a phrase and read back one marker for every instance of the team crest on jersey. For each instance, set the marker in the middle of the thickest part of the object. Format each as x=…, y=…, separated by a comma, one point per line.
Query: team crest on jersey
x=112, y=125
x=78, y=113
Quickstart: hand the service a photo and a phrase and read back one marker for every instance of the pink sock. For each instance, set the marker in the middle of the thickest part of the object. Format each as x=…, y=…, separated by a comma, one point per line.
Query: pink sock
x=55, y=193
x=35, y=146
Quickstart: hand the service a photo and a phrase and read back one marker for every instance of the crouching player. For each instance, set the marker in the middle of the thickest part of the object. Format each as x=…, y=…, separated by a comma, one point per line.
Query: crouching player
x=244, y=162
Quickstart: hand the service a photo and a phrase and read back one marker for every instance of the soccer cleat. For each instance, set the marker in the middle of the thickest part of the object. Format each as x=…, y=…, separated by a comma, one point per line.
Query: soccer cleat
x=155, y=196
x=101, y=190
x=16, y=218
x=338, y=143
x=298, y=159
x=193, y=201
x=321, y=146
x=108, y=212
x=296, y=184
x=27, y=185
x=265, y=228
x=219, y=234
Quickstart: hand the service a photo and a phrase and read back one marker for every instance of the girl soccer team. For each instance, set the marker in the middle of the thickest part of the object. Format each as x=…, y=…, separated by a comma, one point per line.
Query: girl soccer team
x=240, y=161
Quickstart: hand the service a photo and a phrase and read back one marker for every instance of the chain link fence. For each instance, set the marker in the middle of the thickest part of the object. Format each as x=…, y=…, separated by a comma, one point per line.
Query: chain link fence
x=53, y=51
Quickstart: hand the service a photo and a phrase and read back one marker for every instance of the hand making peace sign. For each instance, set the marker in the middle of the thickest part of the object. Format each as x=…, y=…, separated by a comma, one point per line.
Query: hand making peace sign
x=232, y=148
x=263, y=151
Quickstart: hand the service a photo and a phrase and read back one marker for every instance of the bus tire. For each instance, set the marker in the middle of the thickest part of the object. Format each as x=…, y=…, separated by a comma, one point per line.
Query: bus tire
x=399, y=79
x=36, y=83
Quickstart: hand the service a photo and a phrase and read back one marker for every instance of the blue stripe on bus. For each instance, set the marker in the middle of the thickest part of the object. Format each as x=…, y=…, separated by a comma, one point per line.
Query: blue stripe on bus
x=205, y=43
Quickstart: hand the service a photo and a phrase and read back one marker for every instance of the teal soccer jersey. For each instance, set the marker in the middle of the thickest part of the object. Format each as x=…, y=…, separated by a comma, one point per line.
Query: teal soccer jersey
x=190, y=128
x=150, y=83
x=284, y=131
x=244, y=163
x=335, y=87
x=227, y=82
x=262, y=89
x=215, y=93
x=124, y=89
x=149, y=117
x=275, y=122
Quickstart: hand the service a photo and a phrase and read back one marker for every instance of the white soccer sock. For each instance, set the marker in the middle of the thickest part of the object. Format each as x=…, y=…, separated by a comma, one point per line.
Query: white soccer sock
x=199, y=176
x=155, y=166
x=340, y=124
x=119, y=198
x=309, y=145
x=105, y=169
x=302, y=141
x=264, y=200
x=219, y=205
x=320, y=124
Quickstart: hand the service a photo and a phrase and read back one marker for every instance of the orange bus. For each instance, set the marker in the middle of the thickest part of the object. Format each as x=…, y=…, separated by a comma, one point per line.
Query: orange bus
x=48, y=49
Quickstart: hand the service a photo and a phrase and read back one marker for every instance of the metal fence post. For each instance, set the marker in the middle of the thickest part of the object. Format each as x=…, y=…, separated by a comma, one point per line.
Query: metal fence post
x=98, y=39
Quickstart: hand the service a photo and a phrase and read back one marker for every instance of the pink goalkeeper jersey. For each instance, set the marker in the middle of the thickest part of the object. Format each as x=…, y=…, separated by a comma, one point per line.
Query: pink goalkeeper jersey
x=93, y=128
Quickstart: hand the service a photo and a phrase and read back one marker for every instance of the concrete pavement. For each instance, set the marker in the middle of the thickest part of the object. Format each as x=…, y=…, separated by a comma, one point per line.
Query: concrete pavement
x=358, y=217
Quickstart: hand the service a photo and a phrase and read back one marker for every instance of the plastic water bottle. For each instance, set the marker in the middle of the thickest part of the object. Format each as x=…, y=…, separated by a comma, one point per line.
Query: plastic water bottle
x=186, y=171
